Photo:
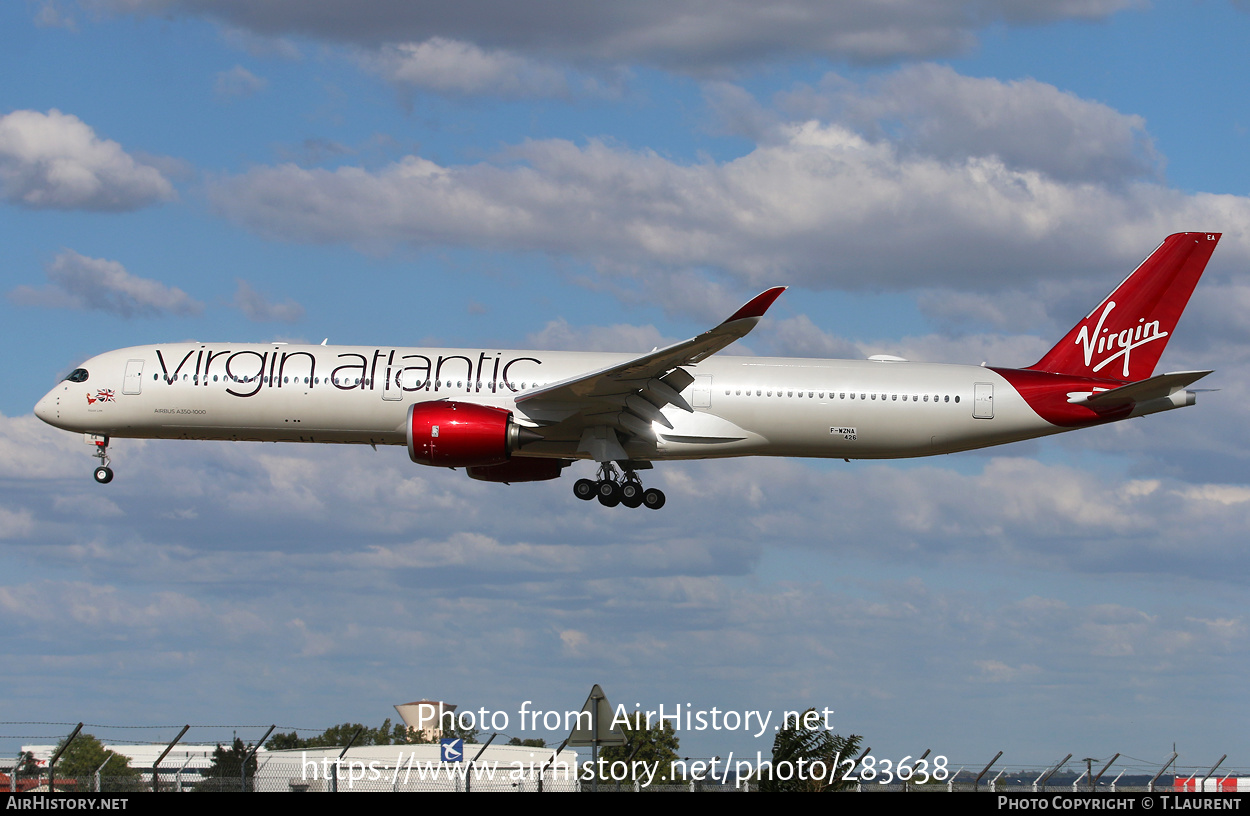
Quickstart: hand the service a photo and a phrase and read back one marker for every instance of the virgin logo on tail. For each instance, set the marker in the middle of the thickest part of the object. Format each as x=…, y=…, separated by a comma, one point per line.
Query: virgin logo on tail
x=1150, y=302
x=1102, y=340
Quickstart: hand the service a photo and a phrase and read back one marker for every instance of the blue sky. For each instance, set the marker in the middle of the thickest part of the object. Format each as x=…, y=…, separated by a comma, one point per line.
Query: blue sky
x=951, y=182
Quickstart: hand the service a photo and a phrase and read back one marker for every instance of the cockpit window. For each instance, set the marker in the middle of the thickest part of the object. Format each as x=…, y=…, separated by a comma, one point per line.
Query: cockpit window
x=77, y=375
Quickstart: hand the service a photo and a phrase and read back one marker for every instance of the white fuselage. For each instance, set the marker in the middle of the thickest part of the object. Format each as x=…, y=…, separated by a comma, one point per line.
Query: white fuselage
x=743, y=406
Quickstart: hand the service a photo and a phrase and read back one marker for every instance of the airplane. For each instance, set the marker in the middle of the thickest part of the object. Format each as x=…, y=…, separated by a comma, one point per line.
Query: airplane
x=522, y=416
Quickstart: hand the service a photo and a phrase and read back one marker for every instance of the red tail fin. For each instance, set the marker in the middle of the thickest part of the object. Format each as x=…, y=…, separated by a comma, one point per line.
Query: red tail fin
x=1124, y=337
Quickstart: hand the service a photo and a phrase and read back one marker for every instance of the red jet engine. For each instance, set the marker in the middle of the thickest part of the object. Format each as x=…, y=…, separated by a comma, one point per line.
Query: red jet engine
x=463, y=434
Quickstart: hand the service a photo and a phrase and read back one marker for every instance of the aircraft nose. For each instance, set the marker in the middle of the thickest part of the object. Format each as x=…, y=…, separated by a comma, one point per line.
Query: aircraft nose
x=45, y=409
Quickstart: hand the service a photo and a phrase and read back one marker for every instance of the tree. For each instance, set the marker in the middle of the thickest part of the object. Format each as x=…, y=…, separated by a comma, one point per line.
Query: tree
x=656, y=745
x=85, y=755
x=28, y=766
x=534, y=742
x=386, y=734
x=807, y=756
x=224, y=773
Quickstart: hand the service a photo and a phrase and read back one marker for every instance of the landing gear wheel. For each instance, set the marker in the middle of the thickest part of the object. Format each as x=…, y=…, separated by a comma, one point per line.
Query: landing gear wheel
x=631, y=494
x=103, y=473
x=653, y=498
x=585, y=489
x=609, y=493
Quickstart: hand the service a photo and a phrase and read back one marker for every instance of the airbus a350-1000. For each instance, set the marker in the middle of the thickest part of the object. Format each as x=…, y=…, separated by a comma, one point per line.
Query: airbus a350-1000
x=523, y=416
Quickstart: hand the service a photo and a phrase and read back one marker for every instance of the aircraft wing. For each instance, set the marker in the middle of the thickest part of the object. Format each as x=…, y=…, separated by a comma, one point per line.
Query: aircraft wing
x=628, y=396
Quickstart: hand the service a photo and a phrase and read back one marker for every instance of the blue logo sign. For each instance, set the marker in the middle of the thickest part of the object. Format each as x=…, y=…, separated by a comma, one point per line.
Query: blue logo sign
x=452, y=750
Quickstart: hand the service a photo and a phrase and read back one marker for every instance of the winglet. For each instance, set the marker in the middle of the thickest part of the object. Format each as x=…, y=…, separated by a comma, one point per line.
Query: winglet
x=757, y=305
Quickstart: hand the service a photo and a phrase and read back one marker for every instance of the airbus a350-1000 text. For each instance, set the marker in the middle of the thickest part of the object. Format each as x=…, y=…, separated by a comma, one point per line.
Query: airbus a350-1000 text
x=523, y=416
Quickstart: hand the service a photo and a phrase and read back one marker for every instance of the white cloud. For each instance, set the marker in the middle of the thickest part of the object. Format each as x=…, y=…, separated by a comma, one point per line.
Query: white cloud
x=799, y=337
x=79, y=282
x=682, y=34
x=50, y=15
x=932, y=575
x=1222, y=494
x=450, y=67
x=32, y=450
x=238, y=82
x=55, y=161
x=823, y=206
x=558, y=334
x=259, y=309
x=15, y=523
x=1028, y=125
x=995, y=671
x=1011, y=309
x=261, y=45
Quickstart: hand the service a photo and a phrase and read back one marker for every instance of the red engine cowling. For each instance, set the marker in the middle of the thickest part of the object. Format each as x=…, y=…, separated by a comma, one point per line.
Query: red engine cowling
x=520, y=469
x=461, y=434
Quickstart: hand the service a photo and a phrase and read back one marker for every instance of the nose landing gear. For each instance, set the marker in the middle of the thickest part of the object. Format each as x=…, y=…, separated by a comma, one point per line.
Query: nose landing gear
x=103, y=473
x=613, y=488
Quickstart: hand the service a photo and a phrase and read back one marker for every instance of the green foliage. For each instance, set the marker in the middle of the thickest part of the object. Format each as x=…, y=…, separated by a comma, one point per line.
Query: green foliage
x=809, y=756
x=28, y=766
x=469, y=735
x=656, y=745
x=85, y=755
x=286, y=742
x=338, y=735
x=223, y=774
x=529, y=743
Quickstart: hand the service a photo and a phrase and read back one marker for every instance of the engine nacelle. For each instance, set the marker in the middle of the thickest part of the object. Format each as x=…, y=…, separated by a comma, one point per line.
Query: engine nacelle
x=520, y=469
x=461, y=434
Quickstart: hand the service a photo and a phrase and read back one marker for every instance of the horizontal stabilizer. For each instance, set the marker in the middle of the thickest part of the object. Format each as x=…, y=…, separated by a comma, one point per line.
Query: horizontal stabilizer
x=1164, y=385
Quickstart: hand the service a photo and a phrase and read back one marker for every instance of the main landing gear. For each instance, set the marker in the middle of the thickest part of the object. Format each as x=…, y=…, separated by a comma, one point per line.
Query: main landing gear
x=615, y=488
x=104, y=473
